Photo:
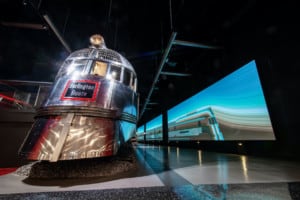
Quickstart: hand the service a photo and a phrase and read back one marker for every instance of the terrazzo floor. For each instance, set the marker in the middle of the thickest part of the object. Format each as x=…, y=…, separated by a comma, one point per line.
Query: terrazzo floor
x=170, y=173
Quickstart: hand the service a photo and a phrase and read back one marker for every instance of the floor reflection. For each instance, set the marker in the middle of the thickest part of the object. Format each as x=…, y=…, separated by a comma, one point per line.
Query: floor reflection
x=180, y=172
x=200, y=167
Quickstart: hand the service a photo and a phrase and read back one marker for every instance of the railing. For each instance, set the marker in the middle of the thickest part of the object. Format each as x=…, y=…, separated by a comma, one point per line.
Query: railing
x=22, y=95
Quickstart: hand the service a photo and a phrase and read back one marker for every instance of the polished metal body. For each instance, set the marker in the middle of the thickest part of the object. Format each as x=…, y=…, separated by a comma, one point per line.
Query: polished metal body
x=91, y=109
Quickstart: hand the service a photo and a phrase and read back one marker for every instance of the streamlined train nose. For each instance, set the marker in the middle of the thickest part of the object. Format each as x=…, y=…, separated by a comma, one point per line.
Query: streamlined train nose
x=91, y=110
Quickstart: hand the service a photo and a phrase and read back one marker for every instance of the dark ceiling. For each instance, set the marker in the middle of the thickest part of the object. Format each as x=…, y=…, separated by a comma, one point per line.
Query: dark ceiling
x=140, y=30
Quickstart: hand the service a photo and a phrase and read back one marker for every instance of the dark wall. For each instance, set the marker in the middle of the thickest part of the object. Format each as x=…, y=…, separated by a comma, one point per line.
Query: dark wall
x=14, y=125
x=273, y=41
x=271, y=37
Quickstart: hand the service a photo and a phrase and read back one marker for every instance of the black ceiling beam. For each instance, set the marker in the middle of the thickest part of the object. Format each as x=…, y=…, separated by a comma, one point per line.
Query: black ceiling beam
x=193, y=44
x=57, y=33
x=175, y=74
x=24, y=25
x=164, y=60
x=161, y=65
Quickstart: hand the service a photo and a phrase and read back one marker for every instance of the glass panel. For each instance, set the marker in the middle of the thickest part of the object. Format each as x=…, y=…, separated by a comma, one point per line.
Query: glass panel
x=77, y=66
x=21, y=94
x=127, y=77
x=115, y=73
x=133, y=82
x=71, y=66
x=99, y=68
x=63, y=68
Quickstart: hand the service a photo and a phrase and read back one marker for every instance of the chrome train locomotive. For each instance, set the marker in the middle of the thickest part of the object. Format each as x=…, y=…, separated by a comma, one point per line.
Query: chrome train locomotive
x=91, y=110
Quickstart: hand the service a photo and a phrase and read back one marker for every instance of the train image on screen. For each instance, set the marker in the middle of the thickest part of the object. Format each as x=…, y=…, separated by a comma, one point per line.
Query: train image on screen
x=235, y=105
x=197, y=125
x=154, y=134
x=91, y=110
x=154, y=130
x=140, y=133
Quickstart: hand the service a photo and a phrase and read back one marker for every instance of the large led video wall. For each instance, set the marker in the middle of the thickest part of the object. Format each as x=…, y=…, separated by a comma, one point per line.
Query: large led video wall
x=234, y=108
x=154, y=129
x=140, y=133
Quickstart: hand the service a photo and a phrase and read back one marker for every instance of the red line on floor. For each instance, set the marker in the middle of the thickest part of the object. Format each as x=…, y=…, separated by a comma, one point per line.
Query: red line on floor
x=4, y=171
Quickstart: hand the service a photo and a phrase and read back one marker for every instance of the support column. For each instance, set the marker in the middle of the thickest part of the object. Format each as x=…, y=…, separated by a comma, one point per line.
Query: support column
x=165, y=128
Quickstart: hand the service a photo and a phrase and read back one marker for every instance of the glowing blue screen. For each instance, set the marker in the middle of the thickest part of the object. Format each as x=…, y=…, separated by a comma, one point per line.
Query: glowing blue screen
x=140, y=133
x=154, y=129
x=234, y=108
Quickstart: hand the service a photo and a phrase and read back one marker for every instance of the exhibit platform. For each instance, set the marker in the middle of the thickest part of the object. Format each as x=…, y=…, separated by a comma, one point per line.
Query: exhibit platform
x=169, y=173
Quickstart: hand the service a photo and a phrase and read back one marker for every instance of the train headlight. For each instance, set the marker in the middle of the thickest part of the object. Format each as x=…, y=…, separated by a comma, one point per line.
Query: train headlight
x=97, y=40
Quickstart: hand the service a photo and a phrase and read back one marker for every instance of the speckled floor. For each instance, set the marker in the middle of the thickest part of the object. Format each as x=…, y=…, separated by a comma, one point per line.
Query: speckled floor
x=253, y=191
x=170, y=173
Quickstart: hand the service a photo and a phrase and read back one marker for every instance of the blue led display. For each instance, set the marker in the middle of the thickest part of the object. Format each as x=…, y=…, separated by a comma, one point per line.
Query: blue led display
x=234, y=108
x=154, y=129
x=140, y=133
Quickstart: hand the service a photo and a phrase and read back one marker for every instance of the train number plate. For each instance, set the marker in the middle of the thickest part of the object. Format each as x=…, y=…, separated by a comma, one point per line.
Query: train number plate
x=80, y=90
